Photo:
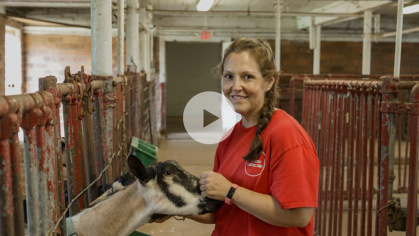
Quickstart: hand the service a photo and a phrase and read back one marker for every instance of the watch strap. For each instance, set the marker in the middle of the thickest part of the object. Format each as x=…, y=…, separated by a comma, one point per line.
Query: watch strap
x=230, y=194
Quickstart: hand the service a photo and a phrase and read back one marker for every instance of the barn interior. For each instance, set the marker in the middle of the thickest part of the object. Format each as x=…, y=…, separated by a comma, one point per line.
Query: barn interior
x=174, y=48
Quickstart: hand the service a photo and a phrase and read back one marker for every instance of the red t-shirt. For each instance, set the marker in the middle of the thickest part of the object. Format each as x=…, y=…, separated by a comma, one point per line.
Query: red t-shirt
x=288, y=169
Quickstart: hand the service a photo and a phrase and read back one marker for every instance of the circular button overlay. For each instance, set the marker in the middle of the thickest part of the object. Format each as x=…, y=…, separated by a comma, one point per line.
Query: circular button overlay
x=209, y=117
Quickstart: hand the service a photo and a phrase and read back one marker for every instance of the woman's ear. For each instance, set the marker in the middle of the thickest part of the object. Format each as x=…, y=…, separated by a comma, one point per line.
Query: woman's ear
x=270, y=83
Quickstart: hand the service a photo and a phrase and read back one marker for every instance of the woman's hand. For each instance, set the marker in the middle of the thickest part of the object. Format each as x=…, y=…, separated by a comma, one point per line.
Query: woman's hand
x=214, y=185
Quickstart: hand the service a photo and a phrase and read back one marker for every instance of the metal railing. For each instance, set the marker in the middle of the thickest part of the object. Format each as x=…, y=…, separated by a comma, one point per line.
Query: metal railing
x=355, y=124
x=101, y=114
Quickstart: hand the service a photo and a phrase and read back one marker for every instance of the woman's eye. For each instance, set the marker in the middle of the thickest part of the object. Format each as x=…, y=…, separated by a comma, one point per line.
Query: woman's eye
x=248, y=77
x=168, y=173
x=227, y=76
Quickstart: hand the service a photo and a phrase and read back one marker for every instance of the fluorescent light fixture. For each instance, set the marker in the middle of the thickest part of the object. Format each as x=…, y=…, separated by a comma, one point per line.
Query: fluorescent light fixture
x=410, y=9
x=204, y=5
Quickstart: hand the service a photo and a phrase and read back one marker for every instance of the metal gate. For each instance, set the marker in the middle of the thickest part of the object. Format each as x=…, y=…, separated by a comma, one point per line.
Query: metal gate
x=101, y=114
x=356, y=127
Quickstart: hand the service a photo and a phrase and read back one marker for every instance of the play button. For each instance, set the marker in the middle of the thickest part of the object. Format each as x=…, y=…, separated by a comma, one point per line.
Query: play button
x=207, y=117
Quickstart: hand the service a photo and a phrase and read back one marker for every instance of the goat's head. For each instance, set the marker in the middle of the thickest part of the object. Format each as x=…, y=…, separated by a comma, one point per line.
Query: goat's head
x=171, y=189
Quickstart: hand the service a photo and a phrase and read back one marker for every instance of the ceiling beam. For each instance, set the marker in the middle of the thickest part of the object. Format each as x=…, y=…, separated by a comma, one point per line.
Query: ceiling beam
x=248, y=13
x=343, y=7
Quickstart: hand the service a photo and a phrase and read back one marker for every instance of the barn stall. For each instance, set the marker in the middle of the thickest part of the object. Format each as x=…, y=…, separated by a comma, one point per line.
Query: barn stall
x=364, y=127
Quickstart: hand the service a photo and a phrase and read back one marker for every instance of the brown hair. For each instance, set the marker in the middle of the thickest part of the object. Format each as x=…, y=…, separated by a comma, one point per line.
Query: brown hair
x=262, y=53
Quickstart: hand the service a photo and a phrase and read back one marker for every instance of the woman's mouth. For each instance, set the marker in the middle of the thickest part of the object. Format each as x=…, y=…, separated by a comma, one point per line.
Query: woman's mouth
x=238, y=98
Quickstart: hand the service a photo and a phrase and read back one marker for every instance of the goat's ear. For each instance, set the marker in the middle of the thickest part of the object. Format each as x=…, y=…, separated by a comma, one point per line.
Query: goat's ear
x=138, y=169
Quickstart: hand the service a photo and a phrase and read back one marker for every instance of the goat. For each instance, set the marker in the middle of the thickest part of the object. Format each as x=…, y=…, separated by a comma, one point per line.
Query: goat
x=163, y=188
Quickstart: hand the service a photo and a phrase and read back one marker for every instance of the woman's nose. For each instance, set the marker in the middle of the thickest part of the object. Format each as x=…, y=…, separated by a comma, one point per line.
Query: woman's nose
x=237, y=84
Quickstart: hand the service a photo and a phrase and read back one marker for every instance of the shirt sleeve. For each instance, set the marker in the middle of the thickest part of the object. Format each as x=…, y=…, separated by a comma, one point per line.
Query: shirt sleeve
x=294, y=178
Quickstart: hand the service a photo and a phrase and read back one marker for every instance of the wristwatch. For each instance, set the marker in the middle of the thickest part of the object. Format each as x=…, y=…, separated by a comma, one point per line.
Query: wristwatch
x=230, y=194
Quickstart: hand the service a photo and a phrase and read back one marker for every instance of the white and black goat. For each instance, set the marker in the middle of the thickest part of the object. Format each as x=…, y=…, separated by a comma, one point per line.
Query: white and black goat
x=164, y=188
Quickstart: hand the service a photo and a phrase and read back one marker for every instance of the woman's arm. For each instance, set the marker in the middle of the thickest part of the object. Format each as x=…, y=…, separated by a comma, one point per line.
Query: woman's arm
x=262, y=206
x=208, y=218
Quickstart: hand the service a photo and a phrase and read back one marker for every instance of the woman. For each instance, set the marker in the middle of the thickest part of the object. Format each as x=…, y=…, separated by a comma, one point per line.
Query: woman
x=268, y=157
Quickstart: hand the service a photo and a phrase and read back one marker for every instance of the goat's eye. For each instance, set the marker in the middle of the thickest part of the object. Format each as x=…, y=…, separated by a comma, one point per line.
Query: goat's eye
x=168, y=173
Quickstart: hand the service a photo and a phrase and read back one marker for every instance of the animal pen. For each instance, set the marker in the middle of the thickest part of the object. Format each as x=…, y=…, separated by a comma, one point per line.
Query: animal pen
x=101, y=114
x=366, y=135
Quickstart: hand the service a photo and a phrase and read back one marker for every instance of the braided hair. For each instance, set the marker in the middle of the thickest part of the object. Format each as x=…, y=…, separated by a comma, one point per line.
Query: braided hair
x=262, y=53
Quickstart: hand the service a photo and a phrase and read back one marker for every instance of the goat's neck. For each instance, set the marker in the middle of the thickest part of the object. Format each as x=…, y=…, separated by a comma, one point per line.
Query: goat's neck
x=119, y=215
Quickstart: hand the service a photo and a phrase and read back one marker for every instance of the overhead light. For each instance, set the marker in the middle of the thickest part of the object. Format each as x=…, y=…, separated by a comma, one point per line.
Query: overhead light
x=204, y=5
x=411, y=9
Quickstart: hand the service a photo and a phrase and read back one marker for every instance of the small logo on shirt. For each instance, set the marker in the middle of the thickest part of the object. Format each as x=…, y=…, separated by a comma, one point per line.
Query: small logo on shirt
x=255, y=168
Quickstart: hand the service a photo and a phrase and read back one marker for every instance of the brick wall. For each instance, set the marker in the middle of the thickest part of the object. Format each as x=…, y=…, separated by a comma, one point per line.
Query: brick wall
x=49, y=55
x=346, y=57
x=2, y=54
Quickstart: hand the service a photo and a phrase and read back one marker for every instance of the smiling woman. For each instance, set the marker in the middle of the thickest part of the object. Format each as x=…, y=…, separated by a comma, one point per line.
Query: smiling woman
x=267, y=170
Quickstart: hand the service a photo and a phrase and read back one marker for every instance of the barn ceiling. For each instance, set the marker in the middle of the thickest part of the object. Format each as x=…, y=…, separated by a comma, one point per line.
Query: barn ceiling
x=228, y=18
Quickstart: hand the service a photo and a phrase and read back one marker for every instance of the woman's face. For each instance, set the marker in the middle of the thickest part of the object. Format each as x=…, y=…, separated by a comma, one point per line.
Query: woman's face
x=243, y=84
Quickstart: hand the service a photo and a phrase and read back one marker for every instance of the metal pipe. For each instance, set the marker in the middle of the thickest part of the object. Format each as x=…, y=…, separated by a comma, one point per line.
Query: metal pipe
x=278, y=11
x=29, y=121
x=357, y=158
x=350, y=156
x=316, y=54
x=8, y=124
x=366, y=48
x=120, y=64
x=413, y=165
x=101, y=21
x=384, y=157
x=406, y=31
x=56, y=184
x=371, y=124
x=363, y=149
x=251, y=13
x=143, y=39
x=47, y=165
x=342, y=137
x=399, y=29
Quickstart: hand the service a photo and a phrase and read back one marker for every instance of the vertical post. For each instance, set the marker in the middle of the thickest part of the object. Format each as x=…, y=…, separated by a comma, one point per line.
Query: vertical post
x=162, y=78
x=121, y=35
x=18, y=214
x=89, y=143
x=399, y=33
x=102, y=70
x=56, y=184
x=278, y=35
x=413, y=165
x=387, y=153
x=50, y=166
x=133, y=40
x=316, y=54
x=73, y=158
x=7, y=127
x=29, y=121
x=143, y=37
x=366, y=48
x=350, y=155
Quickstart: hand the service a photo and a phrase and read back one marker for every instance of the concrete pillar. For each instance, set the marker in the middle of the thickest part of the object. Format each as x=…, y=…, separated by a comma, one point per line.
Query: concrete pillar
x=162, y=60
x=121, y=34
x=366, y=48
x=143, y=37
x=101, y=17
x=398, y=51
x=278, y=35
x=133, y=50
x=316, y=54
